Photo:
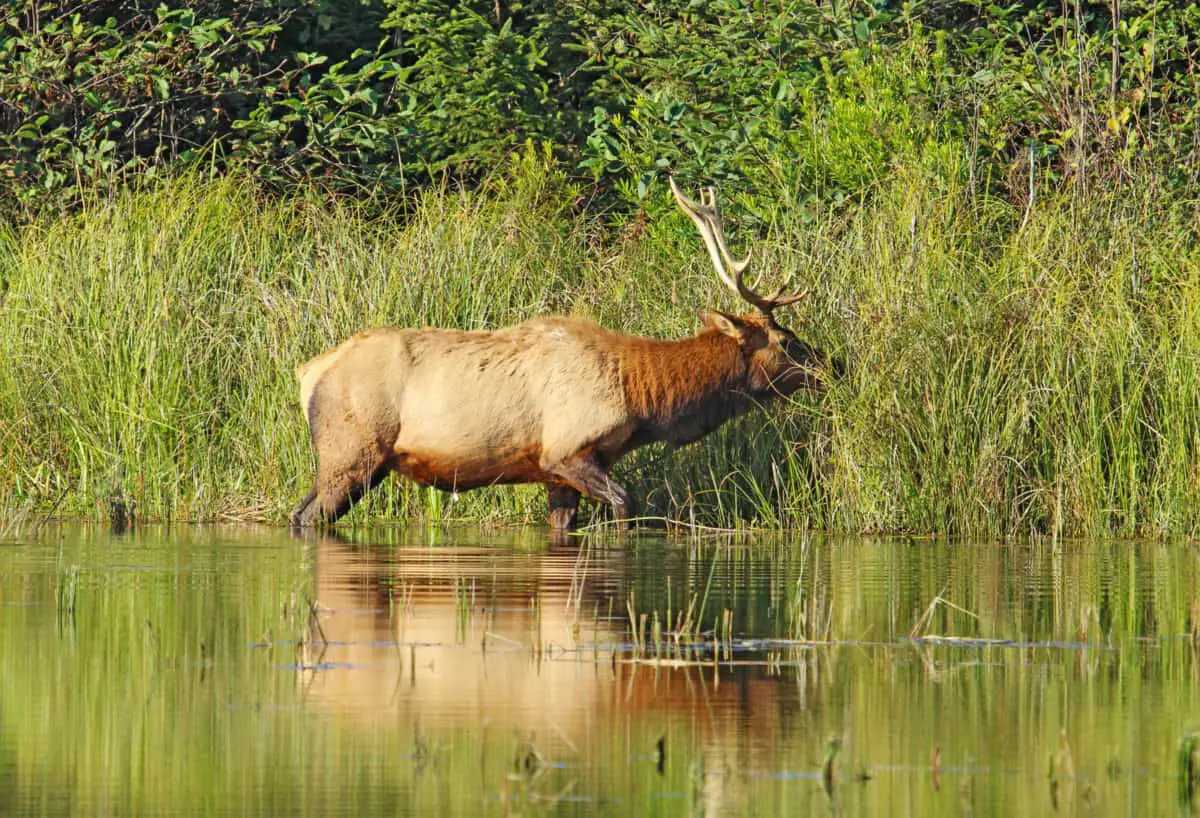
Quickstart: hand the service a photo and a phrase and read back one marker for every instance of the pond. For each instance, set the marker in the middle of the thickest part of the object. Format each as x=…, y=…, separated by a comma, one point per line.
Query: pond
x=459, y=671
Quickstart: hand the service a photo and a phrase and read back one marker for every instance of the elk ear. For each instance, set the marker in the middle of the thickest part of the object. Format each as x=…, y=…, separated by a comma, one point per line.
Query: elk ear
x=725, y=323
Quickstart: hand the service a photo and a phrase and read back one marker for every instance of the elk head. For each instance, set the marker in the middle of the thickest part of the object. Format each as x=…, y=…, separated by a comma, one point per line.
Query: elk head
x=779, y=362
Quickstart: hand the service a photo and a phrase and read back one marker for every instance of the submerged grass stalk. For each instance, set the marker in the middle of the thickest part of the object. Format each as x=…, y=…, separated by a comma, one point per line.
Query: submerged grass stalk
x=1187, y=767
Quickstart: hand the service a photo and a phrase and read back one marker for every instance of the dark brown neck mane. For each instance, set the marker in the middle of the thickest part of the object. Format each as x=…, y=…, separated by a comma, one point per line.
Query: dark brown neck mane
x=682, y=390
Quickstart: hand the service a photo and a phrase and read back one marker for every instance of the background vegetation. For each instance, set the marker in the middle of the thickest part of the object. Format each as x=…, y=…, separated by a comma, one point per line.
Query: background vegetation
x=994, y=207
x=786, y=100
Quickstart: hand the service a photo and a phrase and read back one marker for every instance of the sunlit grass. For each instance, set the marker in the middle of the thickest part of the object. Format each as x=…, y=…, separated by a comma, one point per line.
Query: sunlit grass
x=1004, y=379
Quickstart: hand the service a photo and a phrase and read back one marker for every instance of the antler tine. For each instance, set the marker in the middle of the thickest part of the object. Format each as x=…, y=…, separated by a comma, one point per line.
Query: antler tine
x=714, y=216
x=778, y=300
x=699, y=213
x=708, y=219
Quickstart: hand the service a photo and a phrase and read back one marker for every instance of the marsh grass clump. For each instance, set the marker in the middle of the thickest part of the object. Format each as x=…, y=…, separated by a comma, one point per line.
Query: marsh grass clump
x=1188, y=767
x=66, y=592
x=1007, y=374
x=1008, y=379
x=1009, y=369
x=151, y=338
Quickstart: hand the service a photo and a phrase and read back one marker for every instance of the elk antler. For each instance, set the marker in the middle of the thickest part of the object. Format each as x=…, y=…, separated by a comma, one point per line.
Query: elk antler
x=704, y=213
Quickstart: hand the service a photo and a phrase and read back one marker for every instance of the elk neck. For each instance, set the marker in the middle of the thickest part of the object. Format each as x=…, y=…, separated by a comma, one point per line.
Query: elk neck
x=683, y=389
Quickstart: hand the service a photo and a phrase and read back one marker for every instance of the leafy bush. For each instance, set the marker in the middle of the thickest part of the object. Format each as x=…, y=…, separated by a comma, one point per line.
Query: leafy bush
x=1086, y=90
x=793, y=103
x=87, y=96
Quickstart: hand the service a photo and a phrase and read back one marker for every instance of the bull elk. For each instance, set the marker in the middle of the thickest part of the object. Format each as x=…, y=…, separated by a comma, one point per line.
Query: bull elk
x=553, y=400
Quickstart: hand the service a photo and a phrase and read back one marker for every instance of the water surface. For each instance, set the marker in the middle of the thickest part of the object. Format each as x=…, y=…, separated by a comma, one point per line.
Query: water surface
x=233, y=671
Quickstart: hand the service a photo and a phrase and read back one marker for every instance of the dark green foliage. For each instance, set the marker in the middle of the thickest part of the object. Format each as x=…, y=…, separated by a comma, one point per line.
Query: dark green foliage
x=88, y=93
x=480, y=80
x=791, y=102
x=1091, y=91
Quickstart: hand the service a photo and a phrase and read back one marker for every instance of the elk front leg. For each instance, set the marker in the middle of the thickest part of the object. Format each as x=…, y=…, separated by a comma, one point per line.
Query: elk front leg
x=587, y=476
x=564, y=505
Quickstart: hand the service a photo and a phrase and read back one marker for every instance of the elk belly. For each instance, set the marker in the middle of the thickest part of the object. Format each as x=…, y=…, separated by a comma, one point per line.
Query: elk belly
x=450, y=473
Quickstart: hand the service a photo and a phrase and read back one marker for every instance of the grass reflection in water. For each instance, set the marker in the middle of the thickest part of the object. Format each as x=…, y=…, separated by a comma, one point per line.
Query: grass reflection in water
x=457, y=672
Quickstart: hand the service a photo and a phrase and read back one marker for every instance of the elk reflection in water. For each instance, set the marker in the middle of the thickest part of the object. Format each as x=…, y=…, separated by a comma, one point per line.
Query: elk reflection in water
x=530, y=643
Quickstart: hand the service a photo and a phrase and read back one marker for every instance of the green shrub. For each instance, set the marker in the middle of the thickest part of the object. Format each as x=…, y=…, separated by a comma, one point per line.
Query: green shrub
x=813, y=102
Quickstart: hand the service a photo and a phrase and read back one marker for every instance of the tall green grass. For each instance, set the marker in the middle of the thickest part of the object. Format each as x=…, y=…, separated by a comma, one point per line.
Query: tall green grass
x=1010, y=371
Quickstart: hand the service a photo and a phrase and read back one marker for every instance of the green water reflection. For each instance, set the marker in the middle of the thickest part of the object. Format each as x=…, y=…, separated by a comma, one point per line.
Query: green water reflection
x=241, y=671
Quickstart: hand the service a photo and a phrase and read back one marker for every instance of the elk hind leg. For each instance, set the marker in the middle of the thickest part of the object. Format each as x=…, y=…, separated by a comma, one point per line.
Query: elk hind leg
x=298, y=516
x=338, y=488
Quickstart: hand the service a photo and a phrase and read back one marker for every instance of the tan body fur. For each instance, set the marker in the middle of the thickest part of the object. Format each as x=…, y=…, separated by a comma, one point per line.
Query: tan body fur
x=552, y=400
